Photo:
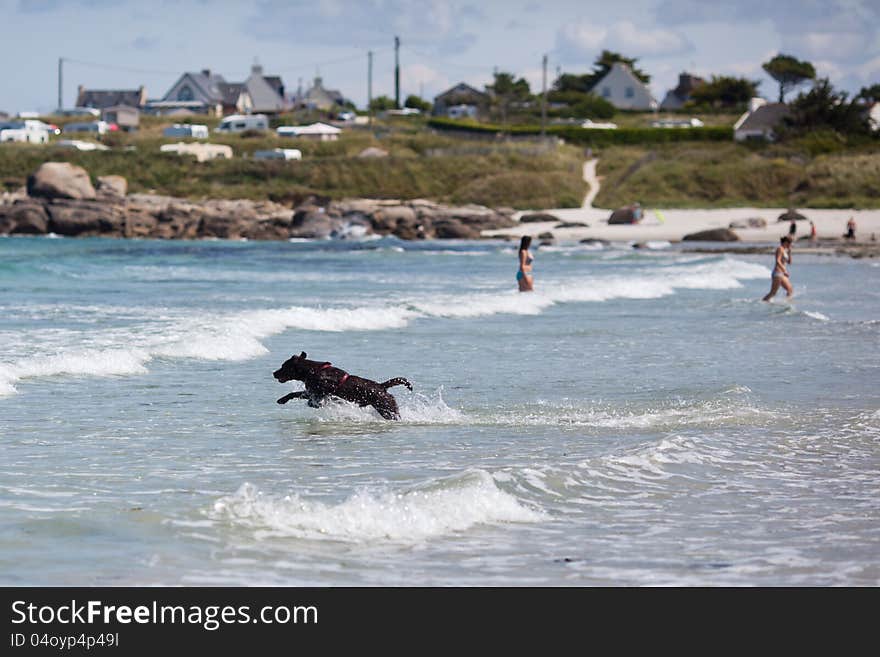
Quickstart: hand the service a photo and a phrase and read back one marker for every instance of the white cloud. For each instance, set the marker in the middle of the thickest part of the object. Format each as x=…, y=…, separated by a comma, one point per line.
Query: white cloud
x=583, y=40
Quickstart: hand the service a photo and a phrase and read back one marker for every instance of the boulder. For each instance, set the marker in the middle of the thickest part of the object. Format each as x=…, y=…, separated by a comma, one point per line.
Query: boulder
x=595, y=241
x=538, y=217
x=627, y=215
x=222, y=226
x=85, y=218
x=791, y=215
x=60, y=180
x=179, y=221
x=572, y=224
x=751, y=222
x=455, y=229
x=27, y=218
x=312, y=223
x=112, y=186
x=546, y=236
x=712, y=235
x=140, y=222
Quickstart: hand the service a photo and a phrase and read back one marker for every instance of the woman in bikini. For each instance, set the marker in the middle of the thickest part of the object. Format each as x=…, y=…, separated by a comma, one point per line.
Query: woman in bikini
x=780, y=275
x=524, y=274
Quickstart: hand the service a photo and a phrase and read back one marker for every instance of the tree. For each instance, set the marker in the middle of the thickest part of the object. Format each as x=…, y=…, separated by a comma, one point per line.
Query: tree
x=789, y=72
x=607, y=59
x=416, y=102
x=382, y=103
x=824, y=108
x=725, y=91
x=506, y=90
x=870, y=94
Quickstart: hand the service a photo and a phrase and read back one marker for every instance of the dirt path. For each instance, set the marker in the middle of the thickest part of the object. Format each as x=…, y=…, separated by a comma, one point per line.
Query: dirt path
x=592, y=180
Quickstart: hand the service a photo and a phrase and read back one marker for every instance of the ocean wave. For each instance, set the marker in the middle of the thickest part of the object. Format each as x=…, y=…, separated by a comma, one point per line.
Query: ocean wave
x=433, y=509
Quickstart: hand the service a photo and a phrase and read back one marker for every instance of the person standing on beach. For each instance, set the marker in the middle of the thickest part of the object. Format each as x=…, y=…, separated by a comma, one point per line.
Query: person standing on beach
x=850, y=229
x=792, y=229
x=780, y=276
x=524, y=276
x=813, y=235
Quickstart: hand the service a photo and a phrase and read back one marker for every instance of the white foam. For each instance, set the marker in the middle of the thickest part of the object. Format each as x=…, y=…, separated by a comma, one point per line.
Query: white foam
x=437, y=508
x=817, y=315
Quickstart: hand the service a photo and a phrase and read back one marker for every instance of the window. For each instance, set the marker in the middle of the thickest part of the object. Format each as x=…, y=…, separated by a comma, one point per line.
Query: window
x=606, y=92
x=185, y=93
x=630, y=92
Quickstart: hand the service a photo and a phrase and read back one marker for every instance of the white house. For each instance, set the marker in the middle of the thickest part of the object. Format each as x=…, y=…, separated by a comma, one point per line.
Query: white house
x=760, y=121
x=315, y=131
x=624, y=90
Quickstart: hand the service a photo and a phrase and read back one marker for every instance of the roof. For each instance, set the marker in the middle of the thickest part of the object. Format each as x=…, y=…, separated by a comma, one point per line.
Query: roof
x=766, y=117
x=313, y=129
x=462, y=88
x=230, y=92
x=103, y=98
x=264, y=96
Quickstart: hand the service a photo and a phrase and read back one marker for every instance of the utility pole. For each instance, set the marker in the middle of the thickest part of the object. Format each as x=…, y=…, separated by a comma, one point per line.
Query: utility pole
x=396, y=72
x=60, y=82
x=370, y=86
x=544, y=99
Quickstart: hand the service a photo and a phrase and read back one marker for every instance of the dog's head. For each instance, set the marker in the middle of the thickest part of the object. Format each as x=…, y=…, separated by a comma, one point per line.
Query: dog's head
x=295, y=367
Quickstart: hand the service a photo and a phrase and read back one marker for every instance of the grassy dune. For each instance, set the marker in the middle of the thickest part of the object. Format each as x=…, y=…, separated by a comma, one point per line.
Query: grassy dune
x=421, y=165
x=728, y=175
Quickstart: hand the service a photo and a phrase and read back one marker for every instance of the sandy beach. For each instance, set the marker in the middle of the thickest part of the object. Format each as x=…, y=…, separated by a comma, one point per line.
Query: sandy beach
x=673, y=224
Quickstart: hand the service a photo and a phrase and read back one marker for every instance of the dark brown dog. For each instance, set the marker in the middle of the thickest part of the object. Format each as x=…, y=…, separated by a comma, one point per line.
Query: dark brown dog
x=322, y=380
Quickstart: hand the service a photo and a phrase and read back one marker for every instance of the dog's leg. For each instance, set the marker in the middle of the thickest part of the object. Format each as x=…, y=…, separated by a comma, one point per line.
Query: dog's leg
x=387, y=408
x=398, y=381
x=293, y=395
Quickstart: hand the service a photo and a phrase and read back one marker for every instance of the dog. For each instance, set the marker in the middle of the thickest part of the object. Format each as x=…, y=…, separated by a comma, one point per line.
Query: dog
x=322, y=381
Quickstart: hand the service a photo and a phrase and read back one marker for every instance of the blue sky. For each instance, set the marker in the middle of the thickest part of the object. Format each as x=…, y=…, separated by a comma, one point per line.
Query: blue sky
x=152, y=43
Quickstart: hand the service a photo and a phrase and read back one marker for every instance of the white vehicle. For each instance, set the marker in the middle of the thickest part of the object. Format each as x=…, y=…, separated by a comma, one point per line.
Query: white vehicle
x=96, y=127
x=80, y=111
x=677, y=123
x=194, y=130
x=279, y=154
x=28, y=131
x=242, y=122
x=81, y=145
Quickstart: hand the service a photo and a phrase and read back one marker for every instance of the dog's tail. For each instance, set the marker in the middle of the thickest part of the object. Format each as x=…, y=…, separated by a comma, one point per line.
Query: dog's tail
x=399, y=381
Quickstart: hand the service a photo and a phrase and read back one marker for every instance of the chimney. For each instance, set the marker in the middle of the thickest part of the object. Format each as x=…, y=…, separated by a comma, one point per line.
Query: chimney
x=206, y=72
x=256, y=69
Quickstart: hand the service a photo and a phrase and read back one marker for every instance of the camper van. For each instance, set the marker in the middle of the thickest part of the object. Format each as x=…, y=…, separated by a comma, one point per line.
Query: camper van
x=279, y=154
x=27, y=130
x=194, y=130
x=242, y=122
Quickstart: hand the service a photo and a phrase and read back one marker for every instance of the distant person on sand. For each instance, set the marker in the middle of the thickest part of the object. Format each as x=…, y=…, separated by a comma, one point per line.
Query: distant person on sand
x=792, y=229
x=850, y=229
x=524, y=274
x=780, y=276
x=813, y=235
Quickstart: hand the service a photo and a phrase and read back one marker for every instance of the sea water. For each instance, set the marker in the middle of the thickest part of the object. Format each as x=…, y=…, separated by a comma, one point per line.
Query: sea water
x=640, y=419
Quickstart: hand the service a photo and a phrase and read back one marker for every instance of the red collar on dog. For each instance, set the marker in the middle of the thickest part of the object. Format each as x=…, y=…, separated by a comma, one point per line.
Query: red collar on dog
x=325, y=366
x=342, y=380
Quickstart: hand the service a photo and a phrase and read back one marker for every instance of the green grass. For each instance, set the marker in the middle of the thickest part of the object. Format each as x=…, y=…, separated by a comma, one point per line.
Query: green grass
x=730, y=175
x=421, y=165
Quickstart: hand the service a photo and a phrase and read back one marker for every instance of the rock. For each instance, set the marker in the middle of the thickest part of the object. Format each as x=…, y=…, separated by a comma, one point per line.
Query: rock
x=712, y=235
x=751, y=222
x=112, y=186
x=372, y=151
x=27, y=218
x=455, y=229
x=627, y=215
x=85, y=218
x=572, y=224
x=546, y=236
x=595, y=240
x=790, y=215
x=179, y=221
x=538, y=217
x=312, y=223
x=60, y=180
x=140, y=222
x=386, y=220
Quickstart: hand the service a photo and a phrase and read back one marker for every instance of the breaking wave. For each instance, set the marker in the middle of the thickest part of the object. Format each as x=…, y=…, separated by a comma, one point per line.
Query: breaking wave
x=436, y=508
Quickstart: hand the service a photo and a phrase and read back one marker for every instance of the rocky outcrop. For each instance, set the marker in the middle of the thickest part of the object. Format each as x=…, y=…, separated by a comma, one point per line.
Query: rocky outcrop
x=537, y=217
x=713, y=235
x=60, y=180
x=61, y=200
x=112, y=187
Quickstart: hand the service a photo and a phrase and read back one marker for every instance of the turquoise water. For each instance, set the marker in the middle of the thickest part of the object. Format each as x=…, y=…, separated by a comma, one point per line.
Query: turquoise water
x=640, y=419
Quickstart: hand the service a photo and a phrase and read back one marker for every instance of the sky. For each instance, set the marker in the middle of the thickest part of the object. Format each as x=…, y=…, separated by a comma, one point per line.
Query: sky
x=128, y=43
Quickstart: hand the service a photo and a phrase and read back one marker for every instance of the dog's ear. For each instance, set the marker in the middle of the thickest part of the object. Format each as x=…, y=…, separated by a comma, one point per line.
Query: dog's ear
x=302, y=355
